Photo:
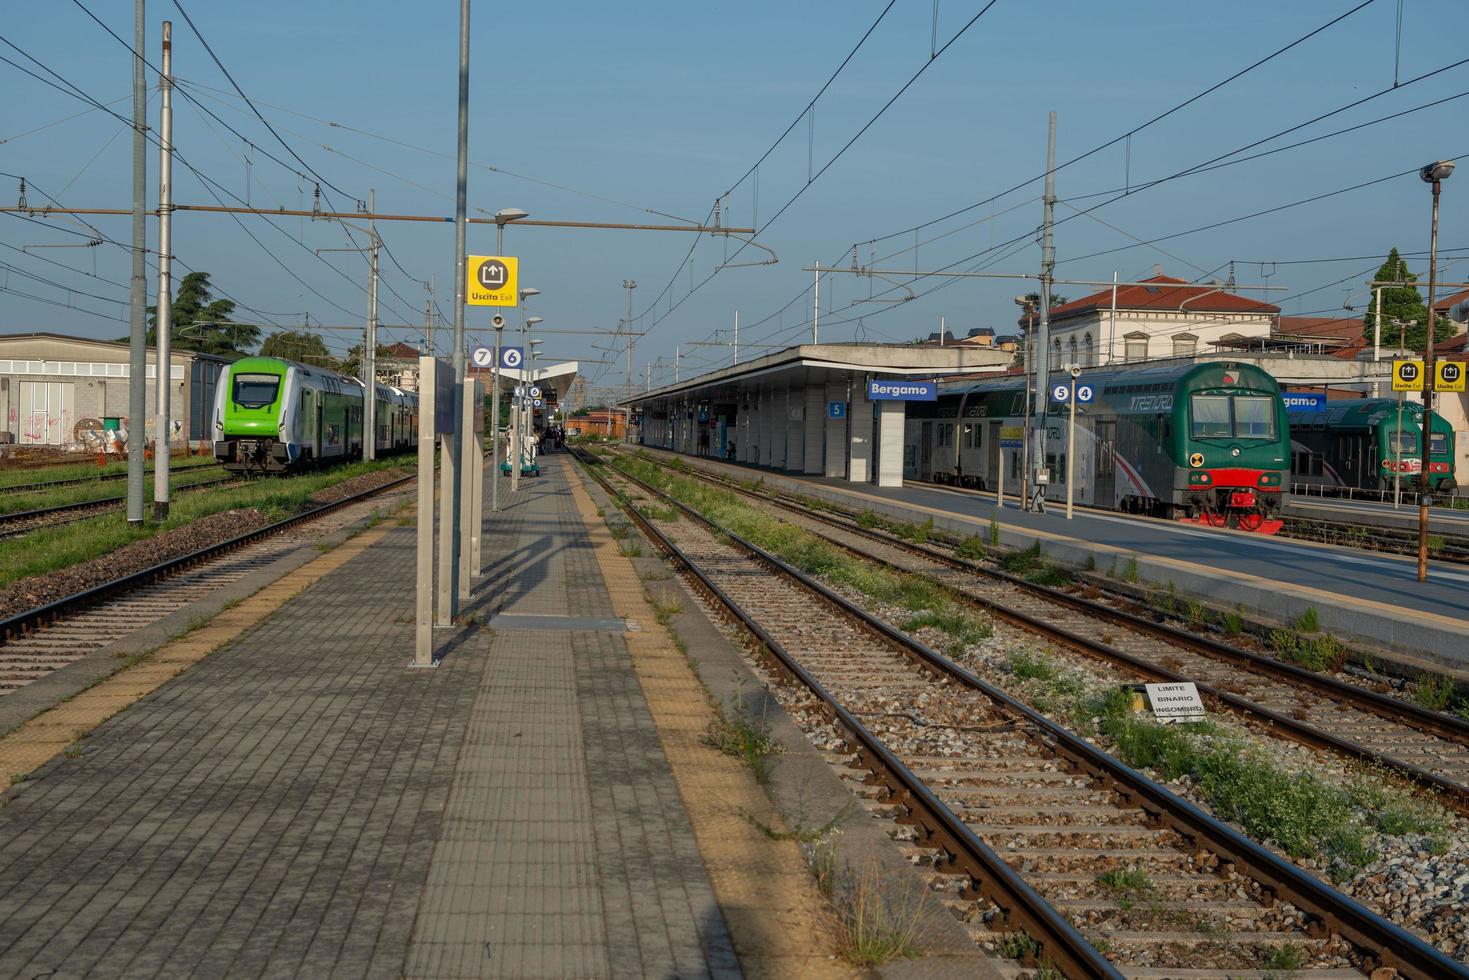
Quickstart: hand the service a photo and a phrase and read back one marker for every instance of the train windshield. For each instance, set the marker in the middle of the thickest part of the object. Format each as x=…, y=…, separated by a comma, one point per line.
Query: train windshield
x=1438, y=443
x=1233, y=416
x=255, y=390
x=1407, y=442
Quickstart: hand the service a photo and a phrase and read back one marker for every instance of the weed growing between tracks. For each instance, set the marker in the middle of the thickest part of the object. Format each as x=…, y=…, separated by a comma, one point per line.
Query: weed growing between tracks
x=18, y=476
x=1306, y=816
x=47, y=549
x=736, y=734
x=926, y=603
x=101, y=491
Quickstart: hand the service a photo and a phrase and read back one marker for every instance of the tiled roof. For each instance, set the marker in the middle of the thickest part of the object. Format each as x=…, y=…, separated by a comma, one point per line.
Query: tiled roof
x=1343, y=329
x=1442, y=304
x=1165, y=293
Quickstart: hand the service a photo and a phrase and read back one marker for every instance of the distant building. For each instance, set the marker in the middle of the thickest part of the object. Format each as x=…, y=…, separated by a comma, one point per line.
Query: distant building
x=55, y=390
x=1164, y=317
x=397, y=365
x=600, y=422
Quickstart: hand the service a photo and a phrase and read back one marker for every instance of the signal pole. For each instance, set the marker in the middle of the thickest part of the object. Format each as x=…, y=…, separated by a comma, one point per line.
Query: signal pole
x=1433, y=174
x=451, y=493
x=629, y=285
x=163, y=381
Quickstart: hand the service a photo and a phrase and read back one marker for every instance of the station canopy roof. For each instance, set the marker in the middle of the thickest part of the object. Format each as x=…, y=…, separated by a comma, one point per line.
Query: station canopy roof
x=819, y=363
x=557, y=378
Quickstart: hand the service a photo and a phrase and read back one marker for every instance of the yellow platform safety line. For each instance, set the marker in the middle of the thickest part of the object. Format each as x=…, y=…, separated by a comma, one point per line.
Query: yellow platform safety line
x=1309, y=593
x=35, y=742
x=779, y=922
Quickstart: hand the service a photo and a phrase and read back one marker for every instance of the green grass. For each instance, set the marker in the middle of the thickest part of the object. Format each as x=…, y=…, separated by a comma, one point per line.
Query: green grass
x=971, y=548
x=14, y=477
x=735, y=734
x=1433, y=691
x=48, y=549
x=96, y=490
x=1127, y=885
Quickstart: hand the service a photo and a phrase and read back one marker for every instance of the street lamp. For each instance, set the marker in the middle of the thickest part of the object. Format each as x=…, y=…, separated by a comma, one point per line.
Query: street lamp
x=1433, y=174
x=503, y=217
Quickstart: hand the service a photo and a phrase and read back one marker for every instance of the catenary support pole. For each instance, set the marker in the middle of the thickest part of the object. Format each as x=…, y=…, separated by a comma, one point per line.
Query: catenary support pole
x=369, y=354
x=163, y=383
x=1071, y=450
x=1425, y=437
x=138, y=287
x=1043, y=340
x=453, y=501
x=816, y=307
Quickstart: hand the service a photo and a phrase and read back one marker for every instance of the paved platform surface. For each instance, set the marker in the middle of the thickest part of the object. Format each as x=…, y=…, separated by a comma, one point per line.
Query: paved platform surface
x=300, y=803
x=1377, y=596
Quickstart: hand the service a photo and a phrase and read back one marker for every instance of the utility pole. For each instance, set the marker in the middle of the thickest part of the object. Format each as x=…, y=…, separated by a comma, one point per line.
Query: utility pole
x=737, y=339
x=629, y=285
x=164, y=374
x=675, y=365
x=451, y=492
x=369, y=441
x=816, y=307
x=138, y=286
x=428, y=318
x=1043, y=338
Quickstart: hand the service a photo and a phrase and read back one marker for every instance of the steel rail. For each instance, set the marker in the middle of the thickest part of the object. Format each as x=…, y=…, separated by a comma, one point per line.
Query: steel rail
x=1379, y=942
x=989, y=876
x=1455, y=794
x=32, y=619
x=1439, y=723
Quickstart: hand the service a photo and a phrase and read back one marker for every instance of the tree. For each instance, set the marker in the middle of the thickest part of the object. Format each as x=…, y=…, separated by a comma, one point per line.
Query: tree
x=1056, y=300
x=200, y=322
x=298, y=345
x=1403, y=305
x=352, y=363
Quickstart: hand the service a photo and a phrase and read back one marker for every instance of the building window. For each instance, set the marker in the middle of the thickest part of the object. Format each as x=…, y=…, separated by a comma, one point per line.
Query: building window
x=1056, y=354
x=1088, y=350
x=1135, y=347
x=1072, y=346
x=1185, y=344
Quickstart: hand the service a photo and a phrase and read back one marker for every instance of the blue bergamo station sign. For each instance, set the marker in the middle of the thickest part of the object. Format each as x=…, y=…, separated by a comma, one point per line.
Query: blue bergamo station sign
x=892, y=390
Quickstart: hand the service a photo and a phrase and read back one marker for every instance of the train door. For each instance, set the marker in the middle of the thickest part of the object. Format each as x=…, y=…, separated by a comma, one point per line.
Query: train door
x=1104, y=478
x=992, y=457
x=925, y=452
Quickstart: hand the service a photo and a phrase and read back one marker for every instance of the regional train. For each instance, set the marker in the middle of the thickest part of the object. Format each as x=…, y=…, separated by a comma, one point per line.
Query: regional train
x=277, y=416
x=1200, y=442
x=1348, y=445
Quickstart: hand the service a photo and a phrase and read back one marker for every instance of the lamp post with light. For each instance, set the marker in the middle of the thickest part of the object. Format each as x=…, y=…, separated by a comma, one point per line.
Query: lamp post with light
x=1433, y=174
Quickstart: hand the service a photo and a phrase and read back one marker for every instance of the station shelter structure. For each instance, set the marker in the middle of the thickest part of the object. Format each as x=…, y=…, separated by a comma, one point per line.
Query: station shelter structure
x=834, y=410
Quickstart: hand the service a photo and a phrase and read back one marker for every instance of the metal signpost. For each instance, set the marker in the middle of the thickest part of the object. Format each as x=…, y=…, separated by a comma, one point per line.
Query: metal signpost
x=1072, y=394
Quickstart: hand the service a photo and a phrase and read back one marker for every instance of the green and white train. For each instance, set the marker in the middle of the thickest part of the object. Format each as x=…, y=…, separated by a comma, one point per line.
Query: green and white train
x=1200, y=442
x=277, y=416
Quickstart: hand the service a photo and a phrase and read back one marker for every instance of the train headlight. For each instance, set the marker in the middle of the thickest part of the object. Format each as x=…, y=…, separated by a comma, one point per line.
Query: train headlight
x=1199, y=478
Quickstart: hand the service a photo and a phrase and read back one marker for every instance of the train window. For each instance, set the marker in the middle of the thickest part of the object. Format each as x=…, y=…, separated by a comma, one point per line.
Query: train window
x=1406, y=442
x=1254, y=417
x=255, y=390
x=1438, y=443
x=1211, y=416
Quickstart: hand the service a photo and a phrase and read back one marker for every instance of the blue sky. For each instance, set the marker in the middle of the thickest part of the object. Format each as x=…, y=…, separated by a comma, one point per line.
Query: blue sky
x=663, y=106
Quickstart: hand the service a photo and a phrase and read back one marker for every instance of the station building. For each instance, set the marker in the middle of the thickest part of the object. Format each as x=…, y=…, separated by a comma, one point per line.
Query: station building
x=56, y=388
x=835, y=410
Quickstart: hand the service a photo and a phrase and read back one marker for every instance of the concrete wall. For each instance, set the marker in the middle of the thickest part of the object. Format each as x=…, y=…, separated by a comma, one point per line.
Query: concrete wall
x=836, y=432
x=814, y=439
x=796, y=429
x=779, y=423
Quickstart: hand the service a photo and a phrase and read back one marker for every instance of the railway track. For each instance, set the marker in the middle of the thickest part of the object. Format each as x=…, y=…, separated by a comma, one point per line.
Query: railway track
x=1429, y=748
x=24, y=521
x=44, y=639
x=96, y=478
x=1035, y=825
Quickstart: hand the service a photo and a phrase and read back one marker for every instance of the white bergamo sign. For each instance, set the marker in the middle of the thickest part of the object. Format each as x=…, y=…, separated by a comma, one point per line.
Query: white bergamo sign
x=1175, y=702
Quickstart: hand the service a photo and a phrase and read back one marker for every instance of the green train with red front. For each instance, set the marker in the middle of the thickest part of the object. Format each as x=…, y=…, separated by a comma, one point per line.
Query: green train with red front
x=277, y=416
x=1348, y=445
x=1202, y=442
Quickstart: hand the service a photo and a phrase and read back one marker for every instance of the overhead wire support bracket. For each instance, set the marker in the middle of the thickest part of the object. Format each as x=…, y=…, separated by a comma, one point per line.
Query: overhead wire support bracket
x=773, y=260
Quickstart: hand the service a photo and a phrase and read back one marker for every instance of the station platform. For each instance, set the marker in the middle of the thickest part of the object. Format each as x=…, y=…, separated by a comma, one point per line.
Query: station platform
x=1362, y=595
x=300, y=802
